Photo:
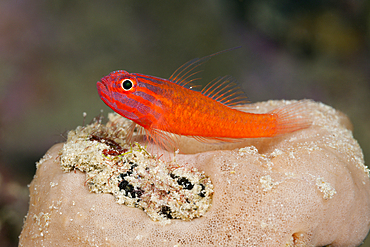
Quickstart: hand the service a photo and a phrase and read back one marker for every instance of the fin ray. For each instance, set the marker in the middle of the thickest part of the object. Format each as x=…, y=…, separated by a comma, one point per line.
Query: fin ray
x=226, y=91
x=217, y=140
x=183, y=75
x=130, y=132
x=292, y=117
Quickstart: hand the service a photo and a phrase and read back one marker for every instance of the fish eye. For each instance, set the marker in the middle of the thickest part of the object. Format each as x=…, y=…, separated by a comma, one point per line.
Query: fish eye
x=127, y=84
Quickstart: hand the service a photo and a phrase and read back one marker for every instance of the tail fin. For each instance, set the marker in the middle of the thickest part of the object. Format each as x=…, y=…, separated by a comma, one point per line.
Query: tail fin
x=292, y=117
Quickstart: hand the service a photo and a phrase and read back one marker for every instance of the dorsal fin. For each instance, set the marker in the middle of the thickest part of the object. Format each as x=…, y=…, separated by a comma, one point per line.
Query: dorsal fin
x=226, y=91
x=183, y=75
x=186, y=73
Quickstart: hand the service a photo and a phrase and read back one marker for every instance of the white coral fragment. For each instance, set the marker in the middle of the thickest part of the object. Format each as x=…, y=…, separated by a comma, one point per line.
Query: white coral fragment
x=267, y=183
x=326, y=188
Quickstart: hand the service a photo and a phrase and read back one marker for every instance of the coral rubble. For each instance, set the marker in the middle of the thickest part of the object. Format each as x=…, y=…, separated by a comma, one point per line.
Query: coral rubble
x=164, y=190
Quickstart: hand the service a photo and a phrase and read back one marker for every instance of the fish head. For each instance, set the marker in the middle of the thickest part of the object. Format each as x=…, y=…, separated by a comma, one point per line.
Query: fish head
x=117, y=91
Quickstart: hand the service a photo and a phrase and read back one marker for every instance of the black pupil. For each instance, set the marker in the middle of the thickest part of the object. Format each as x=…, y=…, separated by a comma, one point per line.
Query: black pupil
x=127, y=84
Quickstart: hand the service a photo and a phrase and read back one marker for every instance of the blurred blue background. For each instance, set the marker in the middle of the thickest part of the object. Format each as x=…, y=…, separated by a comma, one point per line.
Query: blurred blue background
x=52, y=53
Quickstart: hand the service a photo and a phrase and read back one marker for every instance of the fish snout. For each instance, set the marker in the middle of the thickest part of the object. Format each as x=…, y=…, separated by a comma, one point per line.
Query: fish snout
x=103, y=91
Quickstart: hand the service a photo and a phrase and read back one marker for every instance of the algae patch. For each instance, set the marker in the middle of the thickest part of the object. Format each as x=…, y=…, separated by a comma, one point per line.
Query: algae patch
x=164, y=190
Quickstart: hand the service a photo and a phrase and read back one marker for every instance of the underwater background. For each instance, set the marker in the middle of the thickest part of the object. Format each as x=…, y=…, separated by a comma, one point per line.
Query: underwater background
x=52, y=53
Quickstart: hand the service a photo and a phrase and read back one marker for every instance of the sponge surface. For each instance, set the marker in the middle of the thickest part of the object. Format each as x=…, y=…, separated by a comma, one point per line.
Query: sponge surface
x=310, y=187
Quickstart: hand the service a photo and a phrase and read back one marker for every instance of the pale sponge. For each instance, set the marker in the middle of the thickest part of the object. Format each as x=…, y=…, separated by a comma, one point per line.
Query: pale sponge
x=307, y=188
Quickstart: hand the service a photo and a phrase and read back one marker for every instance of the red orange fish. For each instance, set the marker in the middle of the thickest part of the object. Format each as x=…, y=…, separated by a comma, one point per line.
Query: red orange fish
x=163, y=106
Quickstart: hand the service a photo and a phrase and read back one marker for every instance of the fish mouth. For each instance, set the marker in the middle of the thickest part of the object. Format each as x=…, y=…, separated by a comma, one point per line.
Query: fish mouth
x=103, y=92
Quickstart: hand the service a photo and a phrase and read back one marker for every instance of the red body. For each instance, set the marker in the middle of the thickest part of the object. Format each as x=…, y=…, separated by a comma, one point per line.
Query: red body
x=161, y=104
x=167, y=105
